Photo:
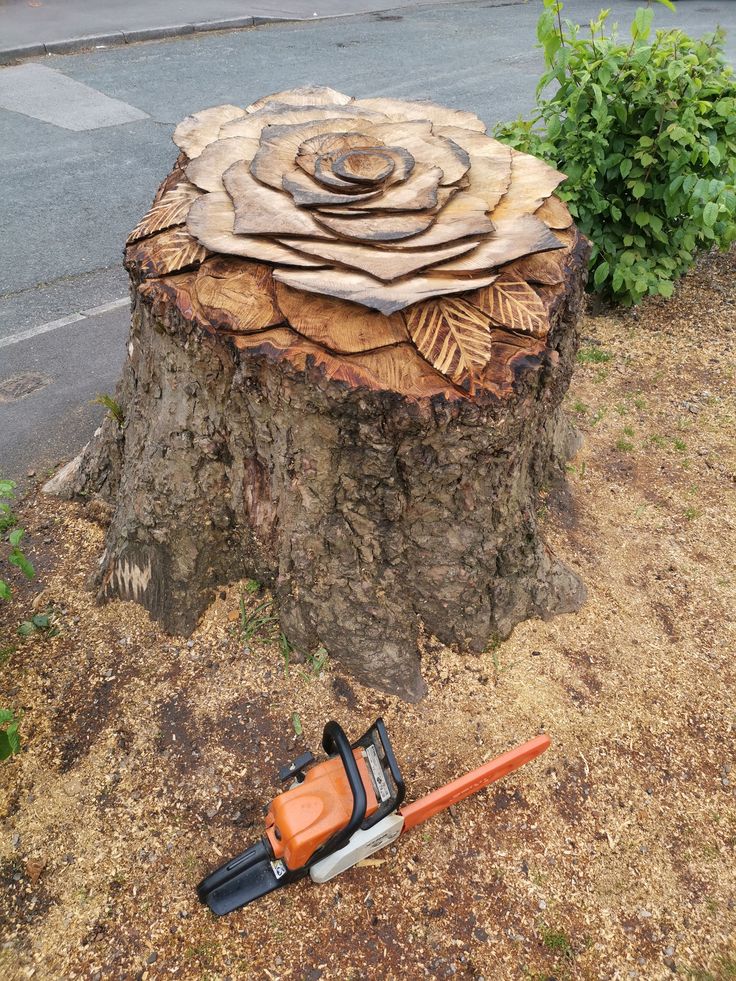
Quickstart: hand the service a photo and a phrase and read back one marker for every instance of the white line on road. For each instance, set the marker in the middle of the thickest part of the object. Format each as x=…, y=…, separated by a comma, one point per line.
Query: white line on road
x=73, y=318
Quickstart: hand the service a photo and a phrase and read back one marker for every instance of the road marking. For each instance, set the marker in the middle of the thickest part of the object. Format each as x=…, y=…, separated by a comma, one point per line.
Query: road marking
x=73, y=318
x=43, y=93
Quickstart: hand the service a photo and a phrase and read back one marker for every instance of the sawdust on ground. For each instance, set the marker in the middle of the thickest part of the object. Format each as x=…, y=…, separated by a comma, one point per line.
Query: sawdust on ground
x=147, y=759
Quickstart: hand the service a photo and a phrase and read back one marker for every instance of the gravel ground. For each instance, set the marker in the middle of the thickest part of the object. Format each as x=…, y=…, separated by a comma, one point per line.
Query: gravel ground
x=147, y=759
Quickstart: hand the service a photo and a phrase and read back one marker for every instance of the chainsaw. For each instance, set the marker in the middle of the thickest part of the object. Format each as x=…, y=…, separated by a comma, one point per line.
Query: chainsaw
x=338, y=812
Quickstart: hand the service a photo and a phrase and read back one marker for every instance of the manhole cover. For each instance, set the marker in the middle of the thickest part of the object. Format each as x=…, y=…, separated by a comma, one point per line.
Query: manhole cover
x=18, y=386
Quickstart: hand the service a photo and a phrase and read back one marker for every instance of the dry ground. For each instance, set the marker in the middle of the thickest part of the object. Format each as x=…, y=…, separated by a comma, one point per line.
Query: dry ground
x=146, y=759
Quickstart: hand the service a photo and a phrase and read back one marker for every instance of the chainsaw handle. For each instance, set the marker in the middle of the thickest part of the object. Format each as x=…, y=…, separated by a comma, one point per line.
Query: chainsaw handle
x=334, y=741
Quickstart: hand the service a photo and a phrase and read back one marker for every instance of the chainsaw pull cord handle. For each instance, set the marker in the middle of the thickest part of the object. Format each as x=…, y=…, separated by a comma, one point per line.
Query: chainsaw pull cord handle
x=334, y=741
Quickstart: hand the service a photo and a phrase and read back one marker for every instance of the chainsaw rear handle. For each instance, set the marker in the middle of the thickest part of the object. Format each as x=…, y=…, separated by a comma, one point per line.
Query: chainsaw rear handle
x=334, y=741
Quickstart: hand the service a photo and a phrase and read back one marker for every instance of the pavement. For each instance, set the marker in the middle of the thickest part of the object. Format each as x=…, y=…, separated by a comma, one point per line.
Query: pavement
x=85, y=140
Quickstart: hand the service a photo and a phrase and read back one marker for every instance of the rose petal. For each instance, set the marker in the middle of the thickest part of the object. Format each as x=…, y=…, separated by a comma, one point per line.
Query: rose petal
x=195, y=132
x=532, y=182
x=490, y=163
x=260, y=210
x=462, y=217
x=386, y=264
x=314, y=95
x=378, y=228
x=252, y=126
x=211, y=220
x=359, y=288
x=512, y=238
x=280, y=145
x=442, y=115
x=434, y=151
x=306, y=192
x=554, y=213
x=421, y=192
x=206, y=170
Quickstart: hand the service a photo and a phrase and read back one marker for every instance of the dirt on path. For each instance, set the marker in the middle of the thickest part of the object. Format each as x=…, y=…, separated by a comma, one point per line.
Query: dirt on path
x=147, y=759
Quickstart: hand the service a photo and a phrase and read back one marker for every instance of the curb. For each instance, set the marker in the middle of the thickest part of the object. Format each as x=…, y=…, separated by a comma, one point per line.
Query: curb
x=119, y=38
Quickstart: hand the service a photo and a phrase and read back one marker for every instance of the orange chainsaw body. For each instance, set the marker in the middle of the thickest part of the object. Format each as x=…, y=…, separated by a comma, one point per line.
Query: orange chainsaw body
x=305, y=817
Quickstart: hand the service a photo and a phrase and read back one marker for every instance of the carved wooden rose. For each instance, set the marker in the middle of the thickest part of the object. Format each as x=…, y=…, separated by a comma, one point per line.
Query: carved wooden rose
x=406, y=209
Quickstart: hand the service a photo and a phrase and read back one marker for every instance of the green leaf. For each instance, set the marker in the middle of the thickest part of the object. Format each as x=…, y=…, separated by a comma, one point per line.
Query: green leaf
x=714, y=155
x=668, y=4
x=710, y=214
x=625, y=167
x=6, y=750
x=40, y=620
x=641, y=25
x=665, y=288
x=26, y=628
x=6, y=715
x=18, y=559
x=297, y=723
x=6, y=488
x=13, y=738
x=601, y=274
x=15, y=536
x=5, y=592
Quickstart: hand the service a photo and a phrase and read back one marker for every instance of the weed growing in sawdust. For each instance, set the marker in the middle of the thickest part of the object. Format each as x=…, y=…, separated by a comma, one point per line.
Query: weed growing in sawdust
x=580, y=407
x=316, y=663
x=679, y=444
x=628, y=431
x=593, y=355
x=623, y=445
x=556, y=941
x=597, y=416
x=691, y=513
x=256, y=621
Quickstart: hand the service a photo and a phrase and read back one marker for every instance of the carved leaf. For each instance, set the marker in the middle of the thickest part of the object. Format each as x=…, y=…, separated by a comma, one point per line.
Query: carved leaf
x=453, y=336
x=171, y=209
x=164, y=253
x=237, y=295
x=511, y=301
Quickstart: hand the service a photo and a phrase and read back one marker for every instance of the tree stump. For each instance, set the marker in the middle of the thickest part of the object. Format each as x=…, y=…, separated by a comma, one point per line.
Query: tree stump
x=353, y=324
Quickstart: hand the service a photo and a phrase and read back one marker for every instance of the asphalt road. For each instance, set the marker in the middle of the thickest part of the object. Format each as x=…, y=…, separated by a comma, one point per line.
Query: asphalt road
x=85, y=140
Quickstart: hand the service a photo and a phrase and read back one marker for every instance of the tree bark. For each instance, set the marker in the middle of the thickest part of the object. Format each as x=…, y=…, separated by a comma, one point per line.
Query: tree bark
x=371, y=514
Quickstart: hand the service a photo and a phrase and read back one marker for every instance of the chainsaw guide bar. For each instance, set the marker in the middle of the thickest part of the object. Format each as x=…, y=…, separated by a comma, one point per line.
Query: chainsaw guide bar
x=337, y=812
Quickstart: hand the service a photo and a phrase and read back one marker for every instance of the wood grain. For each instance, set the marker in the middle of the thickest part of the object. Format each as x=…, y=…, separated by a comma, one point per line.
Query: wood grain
x=236, y=295
x=343, y=327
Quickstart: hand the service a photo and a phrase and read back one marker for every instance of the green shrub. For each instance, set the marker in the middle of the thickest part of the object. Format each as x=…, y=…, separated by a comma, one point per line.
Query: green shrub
x=646, y=132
